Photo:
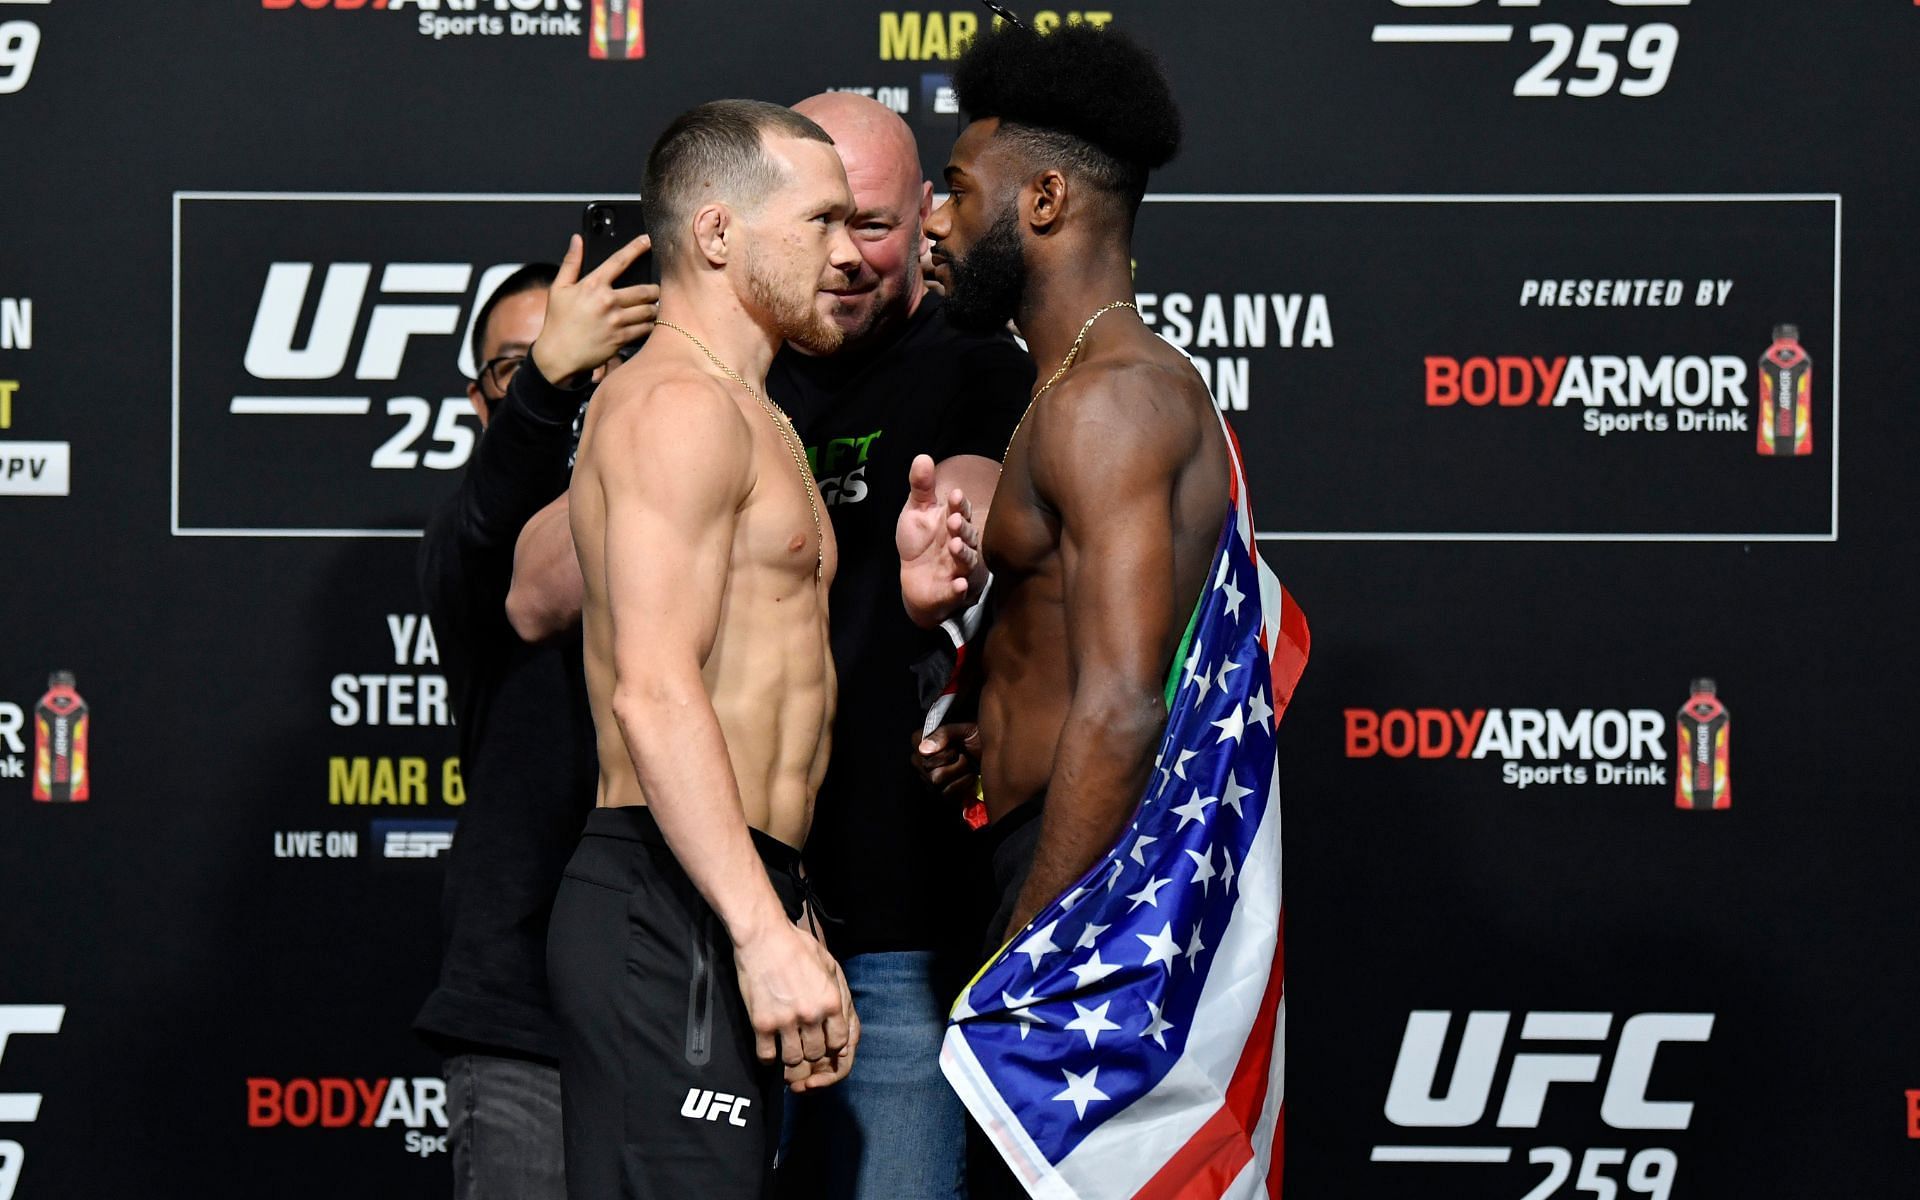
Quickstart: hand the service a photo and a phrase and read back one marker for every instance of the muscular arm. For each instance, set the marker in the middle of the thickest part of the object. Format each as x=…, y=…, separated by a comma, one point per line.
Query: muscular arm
x=546, y=593
x=666, y=547
x=1106, y=461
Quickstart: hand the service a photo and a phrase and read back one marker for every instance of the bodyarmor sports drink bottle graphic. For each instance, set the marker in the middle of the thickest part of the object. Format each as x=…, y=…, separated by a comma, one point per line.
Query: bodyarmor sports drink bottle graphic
x=60, y=742
x=1786, y=395
x=616, y=30
x=1702, y=759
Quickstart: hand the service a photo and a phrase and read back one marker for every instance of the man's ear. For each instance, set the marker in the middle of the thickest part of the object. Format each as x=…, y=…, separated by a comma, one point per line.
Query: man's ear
x=712, y=227
x=478, y=399
x=1046, y=200
x=926, y=201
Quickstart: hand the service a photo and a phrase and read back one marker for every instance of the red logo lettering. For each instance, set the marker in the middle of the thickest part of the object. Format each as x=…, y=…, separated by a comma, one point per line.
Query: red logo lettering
x=1363, y=733
x=263, y=1102
x=1443, y=382
x=1469, y=730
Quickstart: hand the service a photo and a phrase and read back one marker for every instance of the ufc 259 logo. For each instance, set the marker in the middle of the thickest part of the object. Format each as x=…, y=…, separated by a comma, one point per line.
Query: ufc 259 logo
x=1556, y=1053
x=417, y=301
x=1633, y=60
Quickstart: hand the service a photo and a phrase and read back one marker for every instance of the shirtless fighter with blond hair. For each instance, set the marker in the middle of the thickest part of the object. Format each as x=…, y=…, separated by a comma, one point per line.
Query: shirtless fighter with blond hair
x=685, y=974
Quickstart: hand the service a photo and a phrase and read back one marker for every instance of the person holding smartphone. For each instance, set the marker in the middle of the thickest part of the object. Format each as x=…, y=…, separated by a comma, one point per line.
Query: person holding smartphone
x=526, y=741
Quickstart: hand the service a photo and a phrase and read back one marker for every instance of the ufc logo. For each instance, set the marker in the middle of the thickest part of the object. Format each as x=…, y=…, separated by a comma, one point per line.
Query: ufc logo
x=1624, y=1105
x=271, y=353
x=706, y=1104
x=21, y=1108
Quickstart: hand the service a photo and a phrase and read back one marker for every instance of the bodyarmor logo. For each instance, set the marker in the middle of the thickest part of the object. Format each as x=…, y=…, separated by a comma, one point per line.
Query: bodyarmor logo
x=1704, y=777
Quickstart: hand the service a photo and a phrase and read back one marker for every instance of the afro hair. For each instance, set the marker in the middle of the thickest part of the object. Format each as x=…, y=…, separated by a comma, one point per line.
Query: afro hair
x=1079, y=84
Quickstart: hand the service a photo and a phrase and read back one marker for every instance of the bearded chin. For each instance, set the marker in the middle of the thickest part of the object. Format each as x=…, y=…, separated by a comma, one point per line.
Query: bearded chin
x=794, y=315
x=989, y=282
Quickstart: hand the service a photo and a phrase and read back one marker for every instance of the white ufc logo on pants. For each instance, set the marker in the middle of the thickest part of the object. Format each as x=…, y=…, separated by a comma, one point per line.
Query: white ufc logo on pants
x=706, y=1104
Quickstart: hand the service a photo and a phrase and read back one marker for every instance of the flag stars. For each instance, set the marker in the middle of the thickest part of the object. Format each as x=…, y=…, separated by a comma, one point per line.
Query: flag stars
x=1093, y=970
x=1235, y=794
x=1230, y=726
x=1227, y=667
x=1156, y=1027
x=1194, y=809
x=1089, y=937
x=1148, y=894
x=1226, y=872
x=1203, y=872
x=1022, y=1011
x=1258, y=710
x=1234, y=597
x=1140, y=843
x=1194, y=947
x=1193, y=667
x=1091, y=1021
x=1180, y=764
x=1080, y=1090
x=1161, y=948
x=1039, y=945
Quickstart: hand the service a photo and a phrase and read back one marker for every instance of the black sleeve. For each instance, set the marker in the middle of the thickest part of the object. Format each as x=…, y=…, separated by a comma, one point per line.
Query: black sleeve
x=996, y=380
x=520, y=465
x=466, y=555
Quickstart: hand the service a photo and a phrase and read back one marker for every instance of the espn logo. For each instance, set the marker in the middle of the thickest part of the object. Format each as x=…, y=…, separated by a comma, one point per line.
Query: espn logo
x=413, y=839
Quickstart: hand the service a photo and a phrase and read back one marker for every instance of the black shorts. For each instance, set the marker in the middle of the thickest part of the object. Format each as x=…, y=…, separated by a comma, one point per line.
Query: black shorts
x=1006, y=856
x=663, y=1096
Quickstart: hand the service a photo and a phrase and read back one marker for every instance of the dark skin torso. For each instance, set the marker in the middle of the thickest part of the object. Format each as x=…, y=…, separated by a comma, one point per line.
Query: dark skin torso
x=1109, y=508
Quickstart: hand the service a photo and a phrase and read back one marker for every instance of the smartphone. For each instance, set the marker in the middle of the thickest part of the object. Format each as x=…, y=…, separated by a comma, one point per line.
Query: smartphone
x=605, y=227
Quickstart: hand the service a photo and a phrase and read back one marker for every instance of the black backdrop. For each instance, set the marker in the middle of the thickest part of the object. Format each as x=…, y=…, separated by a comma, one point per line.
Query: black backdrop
x=1363, y=200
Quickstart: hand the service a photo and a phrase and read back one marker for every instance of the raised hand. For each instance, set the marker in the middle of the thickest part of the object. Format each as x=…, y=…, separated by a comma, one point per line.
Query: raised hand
x=588, y=319
x=939, y=547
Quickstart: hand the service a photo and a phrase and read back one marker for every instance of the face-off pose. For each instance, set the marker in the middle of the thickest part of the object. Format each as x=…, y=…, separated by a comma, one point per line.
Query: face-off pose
x=683, y=971
x=1114, y=486
x=886, y=856
x=526, y=744
x=1134, y=907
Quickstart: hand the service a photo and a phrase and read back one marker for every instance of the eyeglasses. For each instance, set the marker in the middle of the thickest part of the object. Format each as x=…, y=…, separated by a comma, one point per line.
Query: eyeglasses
x=1005, y=14
x=500, y=371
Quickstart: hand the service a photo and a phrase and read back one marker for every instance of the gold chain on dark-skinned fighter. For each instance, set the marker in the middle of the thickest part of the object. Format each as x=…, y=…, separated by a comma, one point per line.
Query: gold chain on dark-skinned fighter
x=1073, y=352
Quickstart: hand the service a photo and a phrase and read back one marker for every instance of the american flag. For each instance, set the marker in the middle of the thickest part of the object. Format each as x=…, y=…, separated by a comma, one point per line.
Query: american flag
x=1127, y=1042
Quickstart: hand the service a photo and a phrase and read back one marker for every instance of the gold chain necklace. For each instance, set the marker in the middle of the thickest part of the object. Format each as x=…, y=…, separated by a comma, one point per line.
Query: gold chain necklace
x=787, y=435
x=1072, y=353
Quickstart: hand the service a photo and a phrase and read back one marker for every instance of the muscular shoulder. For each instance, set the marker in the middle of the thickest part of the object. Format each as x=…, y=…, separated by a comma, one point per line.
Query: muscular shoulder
x=1135, y=412
x=673, y=419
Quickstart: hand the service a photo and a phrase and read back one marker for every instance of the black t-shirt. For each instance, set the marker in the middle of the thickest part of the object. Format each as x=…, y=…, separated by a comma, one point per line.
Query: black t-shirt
x=885, y=851
x=526, y=735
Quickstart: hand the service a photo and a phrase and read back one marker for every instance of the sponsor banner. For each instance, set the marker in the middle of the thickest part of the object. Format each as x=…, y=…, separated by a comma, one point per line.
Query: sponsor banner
x=1494, y=1103
x=19, y=49
x=608, y=29
x=1560, y=49
x=395, y=841
x=48, y=743
x=19, y=1110
x=413, y=1108
x=1604, y=365
x=322, y=349
x=1559, y=748
x=33, y=468
x=389, y=764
